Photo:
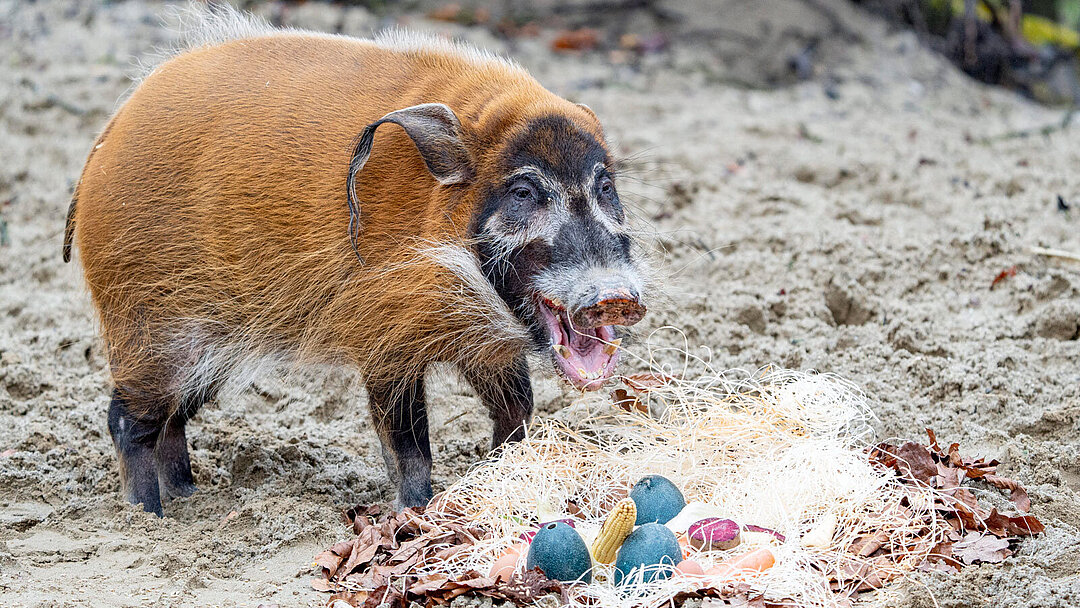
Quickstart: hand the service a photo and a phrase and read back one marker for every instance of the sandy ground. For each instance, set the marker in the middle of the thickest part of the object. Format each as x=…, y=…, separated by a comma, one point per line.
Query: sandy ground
x=850, y=223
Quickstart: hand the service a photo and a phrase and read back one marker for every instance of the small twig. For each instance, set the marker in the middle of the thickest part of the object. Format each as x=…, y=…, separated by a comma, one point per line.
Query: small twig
x=1056, y=253
x=1044, y=130
x=971, y=33
x=54, y=100
x=459, y=415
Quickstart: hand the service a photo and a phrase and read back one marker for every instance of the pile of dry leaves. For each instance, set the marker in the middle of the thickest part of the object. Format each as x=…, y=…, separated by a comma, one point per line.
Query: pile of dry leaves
x=377, y=566
x=977, y=535
x=380, y=564
x=974, y=534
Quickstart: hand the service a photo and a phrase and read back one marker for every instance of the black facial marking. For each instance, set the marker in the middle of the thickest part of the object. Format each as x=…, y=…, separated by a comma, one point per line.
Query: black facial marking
x=564, y=154
x=583, y=239
x=558, y=148
x=522, y=197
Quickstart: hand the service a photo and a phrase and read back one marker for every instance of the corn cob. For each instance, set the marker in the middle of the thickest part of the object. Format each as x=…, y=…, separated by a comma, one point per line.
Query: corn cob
x=617, y=526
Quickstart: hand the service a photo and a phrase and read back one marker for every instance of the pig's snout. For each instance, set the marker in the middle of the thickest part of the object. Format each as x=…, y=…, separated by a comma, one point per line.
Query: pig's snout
x=609, y=305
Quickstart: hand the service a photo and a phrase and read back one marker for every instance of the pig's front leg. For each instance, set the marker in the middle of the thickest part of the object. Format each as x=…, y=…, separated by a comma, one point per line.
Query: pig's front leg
x=507, y=394
x=400, y=416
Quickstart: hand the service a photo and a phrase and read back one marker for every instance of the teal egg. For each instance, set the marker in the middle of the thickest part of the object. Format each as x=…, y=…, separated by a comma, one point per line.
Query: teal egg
x=560, y=553
x=648, y=545
x=657, y=500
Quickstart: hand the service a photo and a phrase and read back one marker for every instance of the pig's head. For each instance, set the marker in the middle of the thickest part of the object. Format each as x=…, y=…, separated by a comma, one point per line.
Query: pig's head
x=554, y=243
x=549, y=229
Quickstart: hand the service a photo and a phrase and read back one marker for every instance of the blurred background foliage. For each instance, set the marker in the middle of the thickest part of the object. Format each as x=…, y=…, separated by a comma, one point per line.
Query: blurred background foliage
x=1032, y=46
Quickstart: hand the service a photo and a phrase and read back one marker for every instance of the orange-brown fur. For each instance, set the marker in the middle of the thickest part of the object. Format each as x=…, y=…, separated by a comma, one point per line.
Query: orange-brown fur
x=212, y=222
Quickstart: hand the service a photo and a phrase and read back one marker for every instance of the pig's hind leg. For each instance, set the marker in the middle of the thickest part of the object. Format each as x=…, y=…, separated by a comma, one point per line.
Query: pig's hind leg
x=135, y=427
x=151, y=445
x=173, y=462
x=171, y=455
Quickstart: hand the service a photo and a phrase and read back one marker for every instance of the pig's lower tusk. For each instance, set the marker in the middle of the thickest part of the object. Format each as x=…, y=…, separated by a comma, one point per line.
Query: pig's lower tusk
x=561, y=350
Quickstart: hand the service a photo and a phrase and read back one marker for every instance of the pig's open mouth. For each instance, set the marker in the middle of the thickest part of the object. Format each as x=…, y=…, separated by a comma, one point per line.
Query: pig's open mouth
x=586, y=356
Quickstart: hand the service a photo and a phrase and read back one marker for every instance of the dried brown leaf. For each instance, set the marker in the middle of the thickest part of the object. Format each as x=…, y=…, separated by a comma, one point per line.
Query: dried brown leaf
x=329, y=561
x=938, y=566
x=933, y=442
x=361, y=516
x=622, y=399
x=573, y=509
x=1022, y=525
x=950, y=477
x=914, y=460
x=1017, y=493
x=646, y=381
x=449, y=552
x=976, y=547
x=352, y=598
x=583, y=39
x=967, y=498
x=408, y=549
x=865, y=546
x=363, y=552
x=429, y=583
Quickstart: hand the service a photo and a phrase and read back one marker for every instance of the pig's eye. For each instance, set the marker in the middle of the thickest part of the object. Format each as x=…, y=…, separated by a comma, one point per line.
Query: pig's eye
x=523, y=192
x=609, y=199
x=607, y=189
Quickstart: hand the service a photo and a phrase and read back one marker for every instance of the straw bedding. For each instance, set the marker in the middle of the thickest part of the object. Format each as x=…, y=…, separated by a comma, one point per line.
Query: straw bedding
x=788, y=451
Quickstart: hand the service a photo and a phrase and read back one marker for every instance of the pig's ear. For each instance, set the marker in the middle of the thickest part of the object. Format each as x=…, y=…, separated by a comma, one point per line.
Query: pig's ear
x=435, y=130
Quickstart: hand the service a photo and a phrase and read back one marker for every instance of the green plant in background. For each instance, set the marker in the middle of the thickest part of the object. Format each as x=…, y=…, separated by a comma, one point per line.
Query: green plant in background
x=1054, y=22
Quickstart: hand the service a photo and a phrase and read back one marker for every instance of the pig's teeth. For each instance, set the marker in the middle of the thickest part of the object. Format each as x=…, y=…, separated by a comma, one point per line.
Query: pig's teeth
x=611, y=347
x=584, y=374
x=561, y=350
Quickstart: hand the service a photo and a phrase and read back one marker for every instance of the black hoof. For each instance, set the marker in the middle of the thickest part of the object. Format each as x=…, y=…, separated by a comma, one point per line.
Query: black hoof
x=155, y=509
x=176, y=490
x=414, y=493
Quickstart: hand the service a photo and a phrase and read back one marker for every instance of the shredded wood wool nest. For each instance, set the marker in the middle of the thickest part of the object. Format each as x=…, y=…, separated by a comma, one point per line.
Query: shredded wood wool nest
x=789, y=452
